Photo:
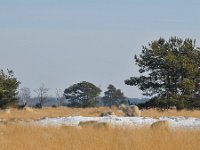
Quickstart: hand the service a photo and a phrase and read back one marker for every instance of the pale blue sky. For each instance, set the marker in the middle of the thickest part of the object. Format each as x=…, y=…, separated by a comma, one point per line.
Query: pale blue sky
x=61, y=42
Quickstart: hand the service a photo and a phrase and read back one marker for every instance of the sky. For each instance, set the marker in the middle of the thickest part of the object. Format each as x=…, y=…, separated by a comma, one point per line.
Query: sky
x=63, y=42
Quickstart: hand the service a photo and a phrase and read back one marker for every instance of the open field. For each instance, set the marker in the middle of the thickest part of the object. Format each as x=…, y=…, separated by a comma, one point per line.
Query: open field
x=15, y=136
x=20, y=137
x=34, y=114
x=170, y=113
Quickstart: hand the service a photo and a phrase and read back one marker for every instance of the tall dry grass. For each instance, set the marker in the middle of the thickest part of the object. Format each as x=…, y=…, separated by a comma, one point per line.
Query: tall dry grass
x=21, y=137
x=14, y=136
x=170, y=112
x=34, y=114
x=54, y=112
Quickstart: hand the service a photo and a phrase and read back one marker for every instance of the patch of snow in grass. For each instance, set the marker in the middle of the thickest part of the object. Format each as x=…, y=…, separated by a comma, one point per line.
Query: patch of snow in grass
x=186, y=122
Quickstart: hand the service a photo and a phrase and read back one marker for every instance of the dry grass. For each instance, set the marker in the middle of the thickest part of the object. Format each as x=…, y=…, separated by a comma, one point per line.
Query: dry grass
x=55, y=112
x=14, y=114
x=158, y=113
x=20, y=137
x=29, y=137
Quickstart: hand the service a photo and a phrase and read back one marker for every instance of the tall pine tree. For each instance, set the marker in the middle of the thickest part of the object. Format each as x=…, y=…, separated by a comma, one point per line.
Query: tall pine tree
x=8, y=89
x=170, y=71
x=113, y=96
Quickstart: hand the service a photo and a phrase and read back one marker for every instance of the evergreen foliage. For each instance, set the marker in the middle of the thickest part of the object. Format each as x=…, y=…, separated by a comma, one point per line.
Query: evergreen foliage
x=170, y=72
x=8, y=89
x=113, y=96
x=82, y=94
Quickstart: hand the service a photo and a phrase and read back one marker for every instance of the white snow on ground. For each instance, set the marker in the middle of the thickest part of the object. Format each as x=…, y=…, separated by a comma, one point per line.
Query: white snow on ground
x=185, y=122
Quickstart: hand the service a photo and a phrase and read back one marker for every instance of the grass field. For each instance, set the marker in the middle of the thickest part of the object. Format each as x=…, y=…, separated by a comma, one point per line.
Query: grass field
x=20, y=137
x=35, y=114
x=32, y=137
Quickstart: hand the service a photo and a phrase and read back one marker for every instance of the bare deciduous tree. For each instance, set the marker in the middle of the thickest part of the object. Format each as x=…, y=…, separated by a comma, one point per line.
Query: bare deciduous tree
x=25, y=96
x=42, y=94
x=59, y=96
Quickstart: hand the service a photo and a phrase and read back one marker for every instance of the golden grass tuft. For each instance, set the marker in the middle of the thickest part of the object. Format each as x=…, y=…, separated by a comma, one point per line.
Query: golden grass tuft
x=94, y=124
x=24, y=137
x=164, y=125
x=28, y=109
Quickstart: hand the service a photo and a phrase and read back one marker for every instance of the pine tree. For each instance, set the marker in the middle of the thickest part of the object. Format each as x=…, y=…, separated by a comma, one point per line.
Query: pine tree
x=170, y=71
x=8, y=89
x=82, y=94
x=113, y=96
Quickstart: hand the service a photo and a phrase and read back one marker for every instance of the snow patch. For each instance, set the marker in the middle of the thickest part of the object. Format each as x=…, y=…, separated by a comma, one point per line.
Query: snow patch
x=186, y=122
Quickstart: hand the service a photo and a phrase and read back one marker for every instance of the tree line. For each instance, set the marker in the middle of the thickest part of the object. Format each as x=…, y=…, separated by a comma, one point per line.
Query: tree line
x=83, y=94
x=170, y=76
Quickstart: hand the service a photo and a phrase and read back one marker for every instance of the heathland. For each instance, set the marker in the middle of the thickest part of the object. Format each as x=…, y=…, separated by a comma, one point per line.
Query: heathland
x=16, y=136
